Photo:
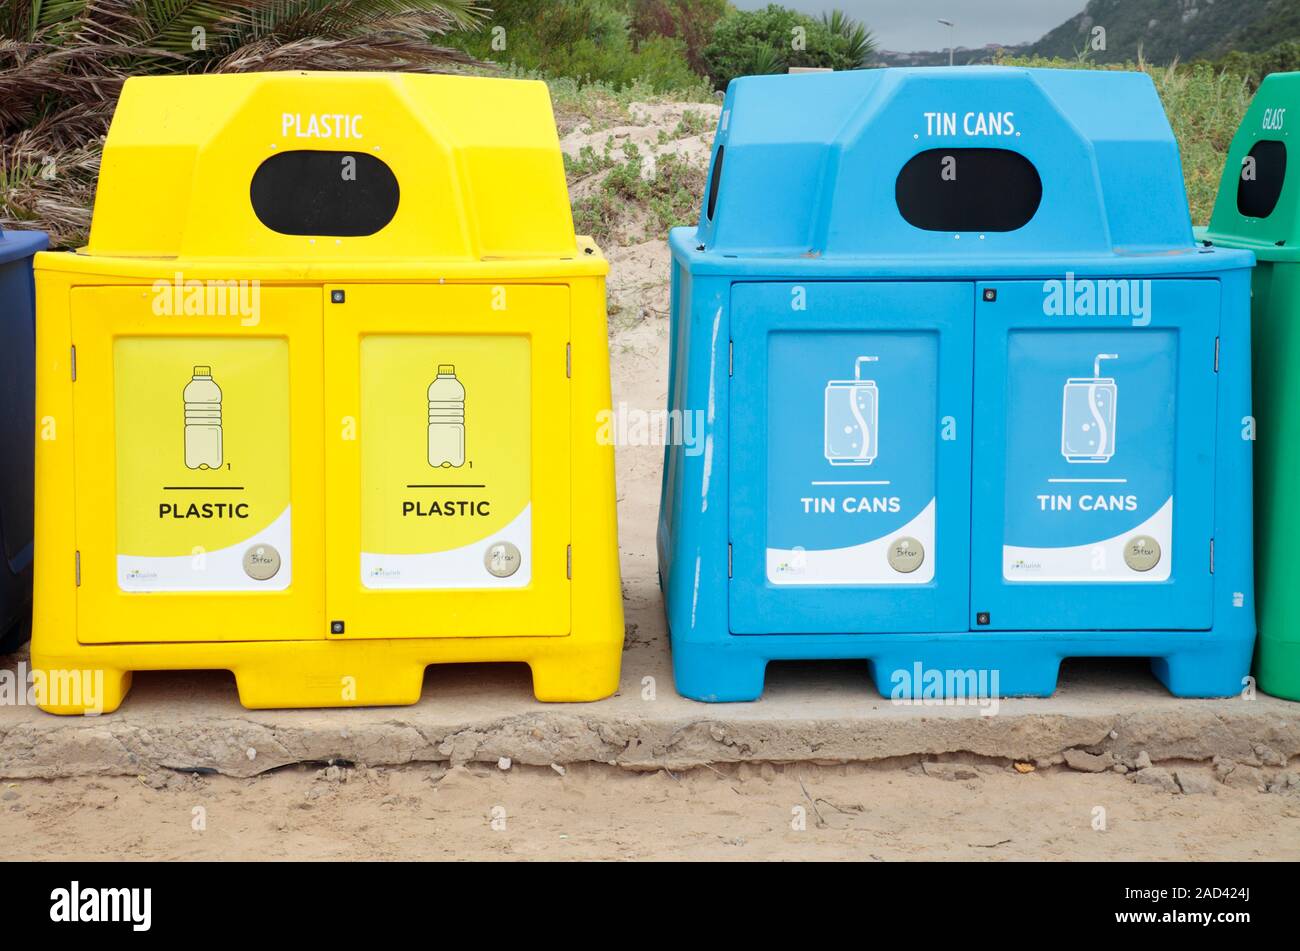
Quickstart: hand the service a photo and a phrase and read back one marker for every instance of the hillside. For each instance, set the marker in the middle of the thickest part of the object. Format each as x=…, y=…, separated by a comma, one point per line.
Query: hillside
x=1166, y=30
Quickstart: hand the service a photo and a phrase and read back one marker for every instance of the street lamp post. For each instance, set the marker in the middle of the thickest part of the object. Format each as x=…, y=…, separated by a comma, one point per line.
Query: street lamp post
x=950, y=25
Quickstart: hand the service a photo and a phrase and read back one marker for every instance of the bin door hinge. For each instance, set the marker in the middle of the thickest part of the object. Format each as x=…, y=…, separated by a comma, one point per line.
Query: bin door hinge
x=1216, y=354
x=731, y=358
x=568, y=562
x=76, y=567
x=74, y=363
x=568, y=361
x=1211, y=556
x=728, y=559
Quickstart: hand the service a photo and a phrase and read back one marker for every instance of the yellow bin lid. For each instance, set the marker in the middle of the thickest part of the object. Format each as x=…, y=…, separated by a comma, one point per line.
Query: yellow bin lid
x=321, y=166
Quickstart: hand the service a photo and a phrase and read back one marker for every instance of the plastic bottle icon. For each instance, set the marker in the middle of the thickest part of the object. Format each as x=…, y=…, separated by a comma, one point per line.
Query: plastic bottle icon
x=852, y=418
x=1088, y=416
x=202, y=421
x=446, y=419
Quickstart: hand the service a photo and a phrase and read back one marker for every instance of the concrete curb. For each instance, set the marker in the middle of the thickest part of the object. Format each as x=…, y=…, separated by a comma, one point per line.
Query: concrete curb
x=480, y=713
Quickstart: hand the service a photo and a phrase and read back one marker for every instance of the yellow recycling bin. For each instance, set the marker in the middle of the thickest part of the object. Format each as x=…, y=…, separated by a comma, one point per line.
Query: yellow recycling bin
x=319, y=400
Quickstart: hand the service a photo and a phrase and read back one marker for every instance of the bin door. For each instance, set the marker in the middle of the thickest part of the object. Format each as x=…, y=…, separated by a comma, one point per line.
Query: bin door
x=199, y=504
x=447, y=460
x=1094, y=454
x=850, y=457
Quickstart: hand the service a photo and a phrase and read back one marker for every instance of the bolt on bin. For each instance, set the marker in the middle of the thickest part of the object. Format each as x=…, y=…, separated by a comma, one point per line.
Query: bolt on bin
x=1258, y=208
x=971, y=396
x=325, y=381
x=17, y=431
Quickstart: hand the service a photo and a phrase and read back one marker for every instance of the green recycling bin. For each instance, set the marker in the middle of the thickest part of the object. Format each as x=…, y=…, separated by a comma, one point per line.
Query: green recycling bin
x=1258, y=208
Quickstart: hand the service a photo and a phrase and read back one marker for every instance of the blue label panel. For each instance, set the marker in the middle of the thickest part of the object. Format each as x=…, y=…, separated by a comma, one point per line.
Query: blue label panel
x=848, y=456
x=852, y=420
x=1096, y=433
x=1090, y=453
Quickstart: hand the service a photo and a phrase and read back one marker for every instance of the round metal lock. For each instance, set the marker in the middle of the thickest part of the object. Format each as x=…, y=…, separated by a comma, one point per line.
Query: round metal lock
x=261, y=562
x=502, y=559
x=905, y=554
x=1141, y=553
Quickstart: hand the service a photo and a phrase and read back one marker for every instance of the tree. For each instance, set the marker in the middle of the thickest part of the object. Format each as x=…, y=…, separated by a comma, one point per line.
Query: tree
x=690, y=21
x=859, y=44
x=1282, y=58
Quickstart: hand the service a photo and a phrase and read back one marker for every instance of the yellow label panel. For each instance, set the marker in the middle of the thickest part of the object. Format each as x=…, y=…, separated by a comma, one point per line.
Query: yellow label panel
x=406, y=363
x=202, y=460
x=445, y=434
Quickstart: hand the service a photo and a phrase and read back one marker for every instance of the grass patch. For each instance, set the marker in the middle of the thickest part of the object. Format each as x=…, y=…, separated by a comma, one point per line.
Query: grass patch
x=670, y=197
x=1205, y=108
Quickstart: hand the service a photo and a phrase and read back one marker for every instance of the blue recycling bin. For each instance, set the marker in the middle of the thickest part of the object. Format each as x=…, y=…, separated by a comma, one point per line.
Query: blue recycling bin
x=967, y=399
x=17, y=431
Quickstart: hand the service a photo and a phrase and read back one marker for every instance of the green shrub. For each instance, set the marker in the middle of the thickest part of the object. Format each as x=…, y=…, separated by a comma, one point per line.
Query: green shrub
x=588, y=40
x=662, y=62
x=775, y=38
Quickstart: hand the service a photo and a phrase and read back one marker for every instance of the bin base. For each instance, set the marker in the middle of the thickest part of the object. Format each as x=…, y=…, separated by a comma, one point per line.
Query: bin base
x=79, y=689
x=281, y=674
x=1277, y=667
x=962, y=665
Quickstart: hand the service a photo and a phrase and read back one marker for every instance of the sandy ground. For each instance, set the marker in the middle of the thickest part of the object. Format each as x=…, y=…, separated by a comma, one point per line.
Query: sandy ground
x=654, y=128
x=597, y=812
x=958, y=810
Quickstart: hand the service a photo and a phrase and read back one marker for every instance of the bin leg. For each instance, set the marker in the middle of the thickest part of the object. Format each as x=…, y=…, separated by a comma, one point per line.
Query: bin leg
x=1215, y=671
x=717, y=675
x=577, y=676
x=77, y=691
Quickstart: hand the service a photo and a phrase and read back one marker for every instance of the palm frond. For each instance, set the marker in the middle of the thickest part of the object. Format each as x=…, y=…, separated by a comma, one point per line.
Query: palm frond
x=178, y=25
x=48, y=13
x=299, y=19
x=403, y=54
x=23, y=19
x=53, y=190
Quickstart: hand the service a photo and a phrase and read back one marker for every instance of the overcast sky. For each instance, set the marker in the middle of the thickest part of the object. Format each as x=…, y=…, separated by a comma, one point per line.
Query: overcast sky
x=908, y=25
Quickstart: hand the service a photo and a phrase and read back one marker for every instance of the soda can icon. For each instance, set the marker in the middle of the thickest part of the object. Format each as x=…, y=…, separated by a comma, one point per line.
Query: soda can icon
x=852, y=418
x=1088, y=416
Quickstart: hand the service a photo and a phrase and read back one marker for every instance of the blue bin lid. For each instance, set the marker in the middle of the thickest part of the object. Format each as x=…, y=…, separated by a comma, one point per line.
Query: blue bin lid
x=21, y=244
x=853, y=164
